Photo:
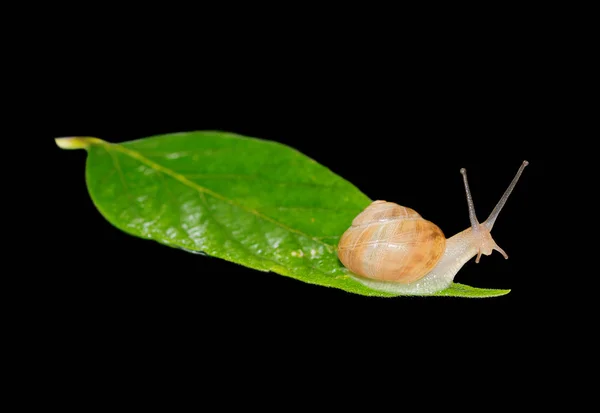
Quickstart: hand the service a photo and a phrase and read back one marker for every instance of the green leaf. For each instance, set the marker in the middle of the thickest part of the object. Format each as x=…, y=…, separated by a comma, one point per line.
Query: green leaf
x=253, y=202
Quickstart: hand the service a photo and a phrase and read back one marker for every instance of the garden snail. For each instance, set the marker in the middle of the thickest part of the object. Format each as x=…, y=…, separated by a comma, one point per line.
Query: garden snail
x=391, y=248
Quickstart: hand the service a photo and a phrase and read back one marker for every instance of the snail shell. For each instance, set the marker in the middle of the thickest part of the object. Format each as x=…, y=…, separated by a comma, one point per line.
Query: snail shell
x=389, y=242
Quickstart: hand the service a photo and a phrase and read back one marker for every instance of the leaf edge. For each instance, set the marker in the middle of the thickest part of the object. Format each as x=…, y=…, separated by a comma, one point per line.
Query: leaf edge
x=454, y=290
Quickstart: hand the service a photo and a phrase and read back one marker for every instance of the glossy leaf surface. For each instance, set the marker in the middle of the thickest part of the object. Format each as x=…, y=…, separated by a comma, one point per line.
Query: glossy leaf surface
x=253, y=202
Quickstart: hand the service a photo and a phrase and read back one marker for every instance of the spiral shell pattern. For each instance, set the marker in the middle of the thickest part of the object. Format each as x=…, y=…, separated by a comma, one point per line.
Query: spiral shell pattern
x=389, y=242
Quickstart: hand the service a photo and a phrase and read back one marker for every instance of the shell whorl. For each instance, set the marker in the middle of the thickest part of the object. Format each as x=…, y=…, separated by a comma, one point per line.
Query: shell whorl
x=389, y=242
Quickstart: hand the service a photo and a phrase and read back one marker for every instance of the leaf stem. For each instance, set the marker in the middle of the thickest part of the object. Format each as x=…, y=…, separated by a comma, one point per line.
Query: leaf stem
x=77, y=142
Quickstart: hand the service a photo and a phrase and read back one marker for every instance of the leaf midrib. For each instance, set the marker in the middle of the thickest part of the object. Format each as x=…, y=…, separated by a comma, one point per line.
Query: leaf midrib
x=183, y=180
x=202, y=190
x=251, y=177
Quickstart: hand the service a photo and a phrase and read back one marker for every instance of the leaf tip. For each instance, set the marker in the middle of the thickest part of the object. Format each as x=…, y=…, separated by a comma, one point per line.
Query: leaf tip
x=496, y=293
x=76, y=142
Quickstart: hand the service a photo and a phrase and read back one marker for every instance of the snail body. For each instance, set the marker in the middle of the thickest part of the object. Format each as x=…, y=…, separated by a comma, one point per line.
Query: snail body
x=392, y=248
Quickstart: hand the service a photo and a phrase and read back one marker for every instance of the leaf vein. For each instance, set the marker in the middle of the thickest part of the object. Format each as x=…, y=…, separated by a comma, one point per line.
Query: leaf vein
x=160, y=168
x=117, y=165
x=235, y=177
x=229, y=235
x=176, y=209
x=300, y=207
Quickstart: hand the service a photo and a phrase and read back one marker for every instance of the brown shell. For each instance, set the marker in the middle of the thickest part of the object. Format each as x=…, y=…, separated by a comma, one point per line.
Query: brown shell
x=390, y=242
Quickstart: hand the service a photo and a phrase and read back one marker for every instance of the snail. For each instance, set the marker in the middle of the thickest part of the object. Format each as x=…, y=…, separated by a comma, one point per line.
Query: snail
x=389, y=247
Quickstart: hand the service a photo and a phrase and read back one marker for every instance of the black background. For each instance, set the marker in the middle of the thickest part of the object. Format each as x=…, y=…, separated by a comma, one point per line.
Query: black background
x=397, y=123
x=398, y=137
